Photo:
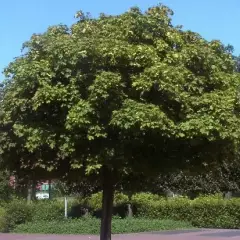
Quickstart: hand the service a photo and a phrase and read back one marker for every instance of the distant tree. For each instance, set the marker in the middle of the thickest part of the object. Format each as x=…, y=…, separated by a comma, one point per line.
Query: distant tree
x=222, y=176
x=116, y=96
x=238, y=64
x=6, y=188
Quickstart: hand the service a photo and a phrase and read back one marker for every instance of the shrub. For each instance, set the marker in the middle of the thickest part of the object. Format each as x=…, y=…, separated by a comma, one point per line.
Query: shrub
x=145, y=197
x=178, y=208
x=205, y=211
x=17, y=212
x=3, y=226
x=6, y=191
x=53, y=210
x=120, y=198
x=120, y=204
x=174, y=208
x=215, y=212
x=95, y=201
x=79, y=210
x=48, y=210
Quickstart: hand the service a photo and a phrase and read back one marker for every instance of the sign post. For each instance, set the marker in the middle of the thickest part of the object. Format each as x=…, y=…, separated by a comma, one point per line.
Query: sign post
x=66, y=205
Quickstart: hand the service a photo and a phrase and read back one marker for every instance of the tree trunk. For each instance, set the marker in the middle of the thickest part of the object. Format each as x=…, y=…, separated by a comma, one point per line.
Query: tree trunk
x=50, y=189
x=34, y=185
x=107, y=204
x=29, y=192
x=129, y=210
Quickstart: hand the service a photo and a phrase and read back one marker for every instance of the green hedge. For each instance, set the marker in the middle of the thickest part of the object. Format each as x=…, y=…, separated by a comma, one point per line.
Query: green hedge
x=19, y=212
x=153, y=206
x=16, y=212
x=95, y=201
x=52, y=210
x=216, y=213
x=3, y=225
x=48, y=211
x=206, y=211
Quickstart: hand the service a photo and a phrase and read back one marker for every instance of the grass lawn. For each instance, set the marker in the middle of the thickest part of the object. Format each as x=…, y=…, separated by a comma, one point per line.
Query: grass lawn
x=92, y=226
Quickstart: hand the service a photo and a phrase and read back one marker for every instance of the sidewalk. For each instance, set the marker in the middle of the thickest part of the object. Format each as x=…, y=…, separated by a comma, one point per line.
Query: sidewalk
x=169, y=235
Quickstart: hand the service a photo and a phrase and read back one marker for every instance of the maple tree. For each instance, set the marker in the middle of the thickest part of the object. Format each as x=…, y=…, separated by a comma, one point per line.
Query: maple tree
x=115, y=96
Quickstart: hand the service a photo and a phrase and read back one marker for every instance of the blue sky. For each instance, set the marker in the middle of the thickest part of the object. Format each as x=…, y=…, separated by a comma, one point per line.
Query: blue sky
x=19, y=19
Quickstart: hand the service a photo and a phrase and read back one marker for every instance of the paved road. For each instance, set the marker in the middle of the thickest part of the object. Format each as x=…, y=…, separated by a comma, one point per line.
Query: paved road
x=175, y=235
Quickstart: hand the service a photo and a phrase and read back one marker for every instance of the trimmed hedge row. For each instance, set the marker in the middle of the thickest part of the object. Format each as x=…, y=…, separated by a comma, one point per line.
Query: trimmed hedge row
x=95, y=201
x=205, y=211
x=18, y=212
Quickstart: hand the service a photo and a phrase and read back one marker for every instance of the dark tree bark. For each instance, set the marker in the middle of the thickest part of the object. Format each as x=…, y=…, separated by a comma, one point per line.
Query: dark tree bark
x=29, y=192
x=129, y=210
x=34, y=185
x=50, y=189
x=107, y=204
